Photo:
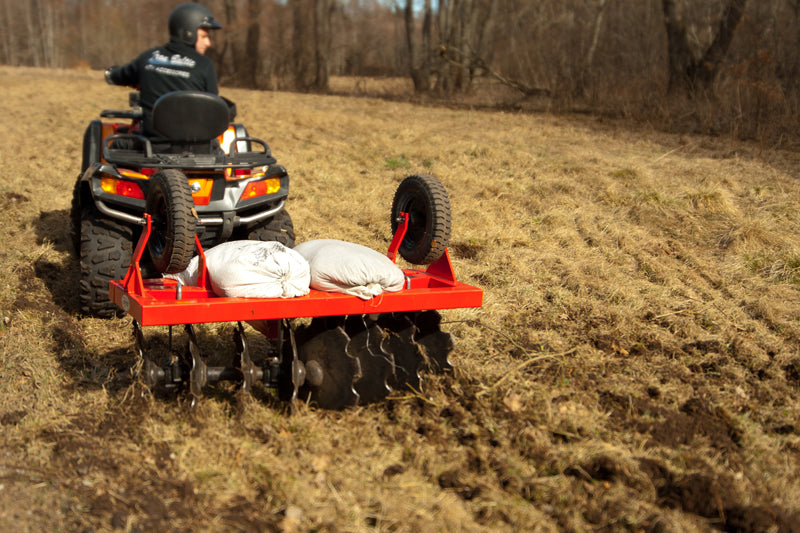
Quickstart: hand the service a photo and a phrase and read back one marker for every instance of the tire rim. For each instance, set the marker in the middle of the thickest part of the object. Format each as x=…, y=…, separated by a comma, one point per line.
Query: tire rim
x=417, y=220
x=158, y=240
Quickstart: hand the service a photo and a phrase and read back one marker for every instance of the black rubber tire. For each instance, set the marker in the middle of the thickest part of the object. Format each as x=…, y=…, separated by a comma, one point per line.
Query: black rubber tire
x=106, y=247
x=425, y=200
x=278, y=228
x=170, y=204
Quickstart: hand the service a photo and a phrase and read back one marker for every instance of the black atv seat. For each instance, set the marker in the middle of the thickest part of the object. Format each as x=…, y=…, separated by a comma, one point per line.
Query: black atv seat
x=189, y=123
x=190, y=117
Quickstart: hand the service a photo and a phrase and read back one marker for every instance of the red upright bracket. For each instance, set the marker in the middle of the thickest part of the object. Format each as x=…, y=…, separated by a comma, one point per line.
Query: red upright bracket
x=132, y=281
x=399, y=235
x=203, y=279
x=442, y=269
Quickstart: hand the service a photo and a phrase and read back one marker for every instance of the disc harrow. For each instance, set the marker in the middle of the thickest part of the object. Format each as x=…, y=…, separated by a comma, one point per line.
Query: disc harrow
x=351, y=351
x=331, y=363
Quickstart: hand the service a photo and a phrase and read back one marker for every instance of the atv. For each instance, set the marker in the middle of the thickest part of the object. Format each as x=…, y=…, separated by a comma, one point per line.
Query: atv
x=203, y=176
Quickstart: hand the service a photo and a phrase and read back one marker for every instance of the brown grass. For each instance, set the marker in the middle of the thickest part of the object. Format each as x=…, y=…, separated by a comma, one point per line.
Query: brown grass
x=635, y=364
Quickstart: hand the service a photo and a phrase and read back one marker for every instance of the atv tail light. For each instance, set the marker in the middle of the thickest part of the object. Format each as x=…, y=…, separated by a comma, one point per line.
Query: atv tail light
x=247, y=172
x=241, y=173
x=261, y=188
x=201, y=190
x=122, y=188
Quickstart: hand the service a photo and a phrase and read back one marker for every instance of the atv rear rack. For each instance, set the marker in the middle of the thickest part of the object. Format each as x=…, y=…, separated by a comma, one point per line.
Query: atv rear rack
x=161, y=302
x=148, y=157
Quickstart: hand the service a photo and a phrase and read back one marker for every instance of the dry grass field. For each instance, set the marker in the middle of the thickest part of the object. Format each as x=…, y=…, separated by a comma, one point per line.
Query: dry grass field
x=635, y=366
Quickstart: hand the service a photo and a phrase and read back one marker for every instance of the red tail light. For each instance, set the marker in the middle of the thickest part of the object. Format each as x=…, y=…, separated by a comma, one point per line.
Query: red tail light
x=261, y=188
x=122, y=188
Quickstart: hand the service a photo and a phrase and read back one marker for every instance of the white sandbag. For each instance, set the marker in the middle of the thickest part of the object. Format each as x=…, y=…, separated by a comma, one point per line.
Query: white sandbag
x=251, y=269
x=341, y=266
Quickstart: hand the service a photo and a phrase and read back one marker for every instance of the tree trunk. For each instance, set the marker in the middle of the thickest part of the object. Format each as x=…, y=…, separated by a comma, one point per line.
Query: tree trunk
x=688, y=71
x=450, y=47
x=589, y=59
x=300, y=37
x=419, y=58
x=9, y=48
x=311, y=43
x=33, y=42
x=242, y=39
x=705, y=70
x=231, y=42
x=464, y=27
x=251, y=55
x=323, y=10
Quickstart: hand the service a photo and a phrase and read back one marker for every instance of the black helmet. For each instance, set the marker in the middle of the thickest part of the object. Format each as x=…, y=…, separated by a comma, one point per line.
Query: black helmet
x=187, y=18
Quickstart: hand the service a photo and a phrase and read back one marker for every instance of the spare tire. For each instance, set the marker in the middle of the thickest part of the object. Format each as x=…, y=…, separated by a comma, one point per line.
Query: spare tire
x=173, y=223
x=425, y=200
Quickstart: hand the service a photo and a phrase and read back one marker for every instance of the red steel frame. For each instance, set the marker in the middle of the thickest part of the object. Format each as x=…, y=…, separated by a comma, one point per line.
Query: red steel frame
x=162, y=302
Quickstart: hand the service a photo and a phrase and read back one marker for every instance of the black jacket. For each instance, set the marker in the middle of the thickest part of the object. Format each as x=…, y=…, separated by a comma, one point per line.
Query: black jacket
x=173, y=67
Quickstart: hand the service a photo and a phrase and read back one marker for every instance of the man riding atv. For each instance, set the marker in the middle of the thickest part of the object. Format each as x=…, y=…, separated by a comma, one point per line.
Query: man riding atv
x=180, y=160
x=179, y=65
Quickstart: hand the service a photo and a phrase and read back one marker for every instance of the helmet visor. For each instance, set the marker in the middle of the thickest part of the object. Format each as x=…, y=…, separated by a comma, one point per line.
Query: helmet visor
x=208, y=23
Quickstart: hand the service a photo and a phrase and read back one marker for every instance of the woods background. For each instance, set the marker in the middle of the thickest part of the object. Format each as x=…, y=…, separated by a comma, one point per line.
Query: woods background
x=725, y=67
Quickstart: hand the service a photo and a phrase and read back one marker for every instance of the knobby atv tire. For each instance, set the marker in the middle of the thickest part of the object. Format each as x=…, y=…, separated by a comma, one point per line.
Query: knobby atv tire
x=425, y=200
x=278, y=228
x=106, y=247
x=173, y=225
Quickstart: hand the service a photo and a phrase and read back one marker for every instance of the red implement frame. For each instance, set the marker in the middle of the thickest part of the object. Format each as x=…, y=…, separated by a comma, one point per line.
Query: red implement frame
x=162, y=302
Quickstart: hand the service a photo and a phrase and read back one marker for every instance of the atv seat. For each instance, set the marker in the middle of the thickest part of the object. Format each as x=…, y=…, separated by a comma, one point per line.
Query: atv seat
x=190, y=120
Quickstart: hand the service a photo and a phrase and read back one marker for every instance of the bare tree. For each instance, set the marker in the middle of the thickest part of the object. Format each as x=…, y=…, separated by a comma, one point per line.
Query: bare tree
x=470, y=42
x=323, y=12
x=464, y=28
x=311, y=42
x=252, y=39
x=600, y=9
x=10, y=48
x=598, y=55
x=691, y=69
x=242, y=40
x=419, y=53
x=302, y=51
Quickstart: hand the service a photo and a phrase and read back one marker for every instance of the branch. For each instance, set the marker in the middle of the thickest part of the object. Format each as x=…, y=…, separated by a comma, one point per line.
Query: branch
x=477, y=61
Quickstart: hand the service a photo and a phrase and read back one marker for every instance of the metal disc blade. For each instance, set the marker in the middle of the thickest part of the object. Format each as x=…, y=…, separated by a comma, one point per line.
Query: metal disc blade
x=330, y=371
x=436, y=343
x=398, y=340
x=376, y=364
